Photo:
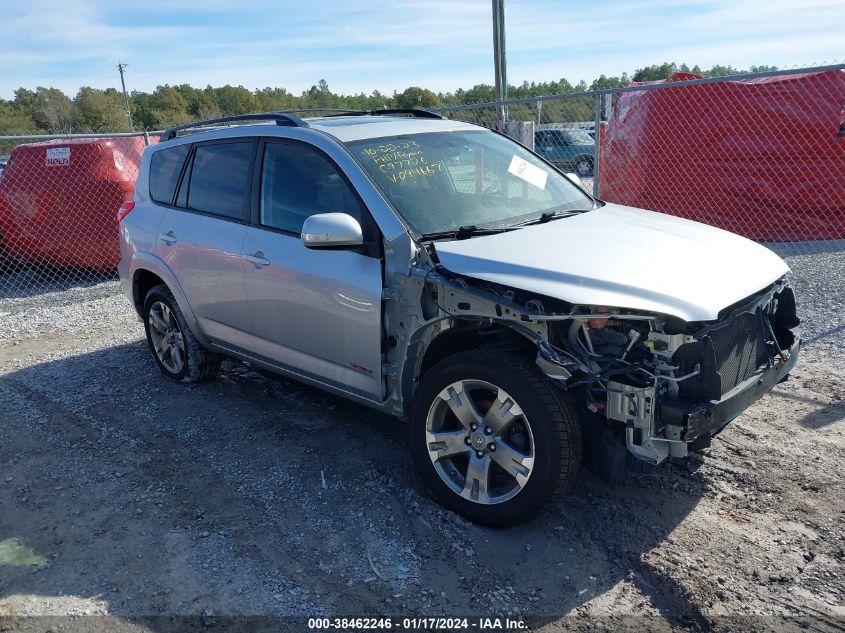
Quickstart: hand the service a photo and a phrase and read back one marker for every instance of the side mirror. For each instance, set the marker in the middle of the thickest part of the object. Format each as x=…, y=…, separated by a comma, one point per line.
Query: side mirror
x=574, y=178
x=326, y=230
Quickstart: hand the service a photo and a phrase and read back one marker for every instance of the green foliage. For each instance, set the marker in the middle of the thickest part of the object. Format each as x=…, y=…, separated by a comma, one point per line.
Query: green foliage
x=164, y=107
x=606, y=83
x=666, y=69
x=49, y=110
x=416, y=97
x=98, y=110
x=658, y=71
x=275, y=99
x=232, y=101
x=16, y=120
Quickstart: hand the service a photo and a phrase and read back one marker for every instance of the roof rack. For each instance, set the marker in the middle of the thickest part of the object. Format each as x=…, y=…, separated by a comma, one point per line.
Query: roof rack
x=328, y=111
x=281, y=118
x=287, y=118
x=407, y=112
x=403, y=112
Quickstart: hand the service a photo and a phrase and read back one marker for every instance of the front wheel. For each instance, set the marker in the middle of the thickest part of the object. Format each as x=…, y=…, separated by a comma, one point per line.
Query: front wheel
x=491, y=438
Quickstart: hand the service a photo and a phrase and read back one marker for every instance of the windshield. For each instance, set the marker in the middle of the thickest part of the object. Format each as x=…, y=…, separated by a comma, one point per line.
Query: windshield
x=442, y=181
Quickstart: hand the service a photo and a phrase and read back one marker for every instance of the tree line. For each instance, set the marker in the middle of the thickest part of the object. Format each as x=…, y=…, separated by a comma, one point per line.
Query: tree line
x=50, y=111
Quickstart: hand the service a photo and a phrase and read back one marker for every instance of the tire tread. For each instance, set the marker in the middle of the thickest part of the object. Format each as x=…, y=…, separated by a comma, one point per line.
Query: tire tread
x=565, y=420
x=202, y=364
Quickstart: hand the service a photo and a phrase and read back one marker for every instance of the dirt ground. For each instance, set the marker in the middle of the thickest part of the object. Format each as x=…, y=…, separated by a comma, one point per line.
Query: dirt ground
x=160, y=506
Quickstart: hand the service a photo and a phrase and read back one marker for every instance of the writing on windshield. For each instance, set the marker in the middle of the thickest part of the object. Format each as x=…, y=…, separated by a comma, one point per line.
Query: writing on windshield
x=443, y=180
x=400, y=161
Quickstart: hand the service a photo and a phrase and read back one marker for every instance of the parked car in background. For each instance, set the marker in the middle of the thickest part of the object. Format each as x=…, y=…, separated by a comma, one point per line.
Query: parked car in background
x=567, y=148
x=58, y=200
x=440, y=272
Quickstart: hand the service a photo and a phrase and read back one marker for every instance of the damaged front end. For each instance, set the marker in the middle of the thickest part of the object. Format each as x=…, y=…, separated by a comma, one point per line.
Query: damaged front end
x=655, y=383
x=687, y=381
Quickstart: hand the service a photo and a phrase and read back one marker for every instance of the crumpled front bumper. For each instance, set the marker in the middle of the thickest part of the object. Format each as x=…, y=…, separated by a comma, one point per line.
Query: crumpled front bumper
x=701, y=421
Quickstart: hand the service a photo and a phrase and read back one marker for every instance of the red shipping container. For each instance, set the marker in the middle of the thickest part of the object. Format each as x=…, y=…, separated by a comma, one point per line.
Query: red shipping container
x=59, y=200
x=758, y=157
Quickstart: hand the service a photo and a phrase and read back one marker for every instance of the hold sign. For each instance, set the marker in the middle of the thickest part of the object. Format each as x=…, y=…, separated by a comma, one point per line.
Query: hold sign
x=58, y=156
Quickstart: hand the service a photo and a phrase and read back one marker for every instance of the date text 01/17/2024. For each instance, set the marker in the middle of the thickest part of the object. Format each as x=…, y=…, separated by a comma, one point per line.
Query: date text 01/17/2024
x=418, y=624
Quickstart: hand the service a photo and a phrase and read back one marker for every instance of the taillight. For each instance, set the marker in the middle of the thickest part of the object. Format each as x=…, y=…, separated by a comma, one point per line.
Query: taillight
x=125, y=208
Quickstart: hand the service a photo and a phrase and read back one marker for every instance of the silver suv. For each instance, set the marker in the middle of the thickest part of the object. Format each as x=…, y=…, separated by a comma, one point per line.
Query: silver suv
x=442, y=273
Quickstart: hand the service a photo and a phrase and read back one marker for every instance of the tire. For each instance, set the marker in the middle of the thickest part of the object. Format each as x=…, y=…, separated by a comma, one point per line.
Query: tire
x=538, y=436
x=583, y=166
x=175, y=349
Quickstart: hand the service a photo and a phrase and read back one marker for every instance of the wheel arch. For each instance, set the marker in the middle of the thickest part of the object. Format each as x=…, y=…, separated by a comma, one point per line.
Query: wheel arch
x=433, y=344
x=143, y=281
x=147, y=273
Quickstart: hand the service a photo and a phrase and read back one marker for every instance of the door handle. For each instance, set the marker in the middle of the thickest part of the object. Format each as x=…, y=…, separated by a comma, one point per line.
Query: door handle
x=167, y=238
x=258, y=259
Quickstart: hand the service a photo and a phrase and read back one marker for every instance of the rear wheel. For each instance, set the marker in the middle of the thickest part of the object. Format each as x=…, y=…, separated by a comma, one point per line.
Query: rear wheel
x=491, y=438
x=177, y=352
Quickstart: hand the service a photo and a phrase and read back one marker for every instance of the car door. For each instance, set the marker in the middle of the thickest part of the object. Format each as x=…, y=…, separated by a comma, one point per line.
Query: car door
x=201, y=238
x=316, y=312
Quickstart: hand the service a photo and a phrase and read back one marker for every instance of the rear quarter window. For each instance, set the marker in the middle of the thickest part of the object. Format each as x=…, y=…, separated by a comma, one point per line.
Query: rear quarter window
x=165, y=167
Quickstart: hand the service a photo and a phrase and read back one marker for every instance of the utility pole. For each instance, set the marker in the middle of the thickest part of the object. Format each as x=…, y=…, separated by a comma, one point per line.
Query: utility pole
x=499, y=61
x=120, y=67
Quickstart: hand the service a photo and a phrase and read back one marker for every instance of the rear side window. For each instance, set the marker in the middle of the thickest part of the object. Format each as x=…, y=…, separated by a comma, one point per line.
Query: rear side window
x=165, y=167
x=218, y=182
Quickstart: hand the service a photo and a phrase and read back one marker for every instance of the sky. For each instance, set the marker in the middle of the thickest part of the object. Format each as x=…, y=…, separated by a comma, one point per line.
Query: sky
x=359, y=46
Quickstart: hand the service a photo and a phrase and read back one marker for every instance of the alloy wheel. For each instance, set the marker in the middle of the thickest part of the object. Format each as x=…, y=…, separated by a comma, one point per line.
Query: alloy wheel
x=168, y=342
x=480, y=441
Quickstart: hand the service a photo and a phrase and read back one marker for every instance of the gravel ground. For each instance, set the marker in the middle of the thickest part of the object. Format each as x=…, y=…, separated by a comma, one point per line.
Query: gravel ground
x=818, y=273
x=130, y=497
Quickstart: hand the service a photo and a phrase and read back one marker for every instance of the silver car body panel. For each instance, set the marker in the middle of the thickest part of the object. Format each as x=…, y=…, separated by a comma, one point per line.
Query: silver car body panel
x=316, y=310
x=208, y=261
x=356, y=128
x=622, y=257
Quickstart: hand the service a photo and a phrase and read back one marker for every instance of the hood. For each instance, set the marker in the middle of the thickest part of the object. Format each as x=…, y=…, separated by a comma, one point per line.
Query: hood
x=622, y=257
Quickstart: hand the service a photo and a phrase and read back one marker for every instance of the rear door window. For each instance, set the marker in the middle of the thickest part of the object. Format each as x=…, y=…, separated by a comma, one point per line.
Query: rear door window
x=165, y=169
x=219, y=179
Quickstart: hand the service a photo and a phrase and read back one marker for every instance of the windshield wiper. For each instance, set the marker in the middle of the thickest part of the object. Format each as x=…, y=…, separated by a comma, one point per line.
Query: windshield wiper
x=550, y=215
x=464, y=232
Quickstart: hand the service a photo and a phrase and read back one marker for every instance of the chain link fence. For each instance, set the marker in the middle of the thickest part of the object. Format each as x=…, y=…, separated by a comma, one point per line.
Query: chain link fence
x=59, y=197
x=761, y=155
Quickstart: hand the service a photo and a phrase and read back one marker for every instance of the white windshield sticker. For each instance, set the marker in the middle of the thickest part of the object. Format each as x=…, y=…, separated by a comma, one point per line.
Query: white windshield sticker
x=531, y=174
x=58, y=156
